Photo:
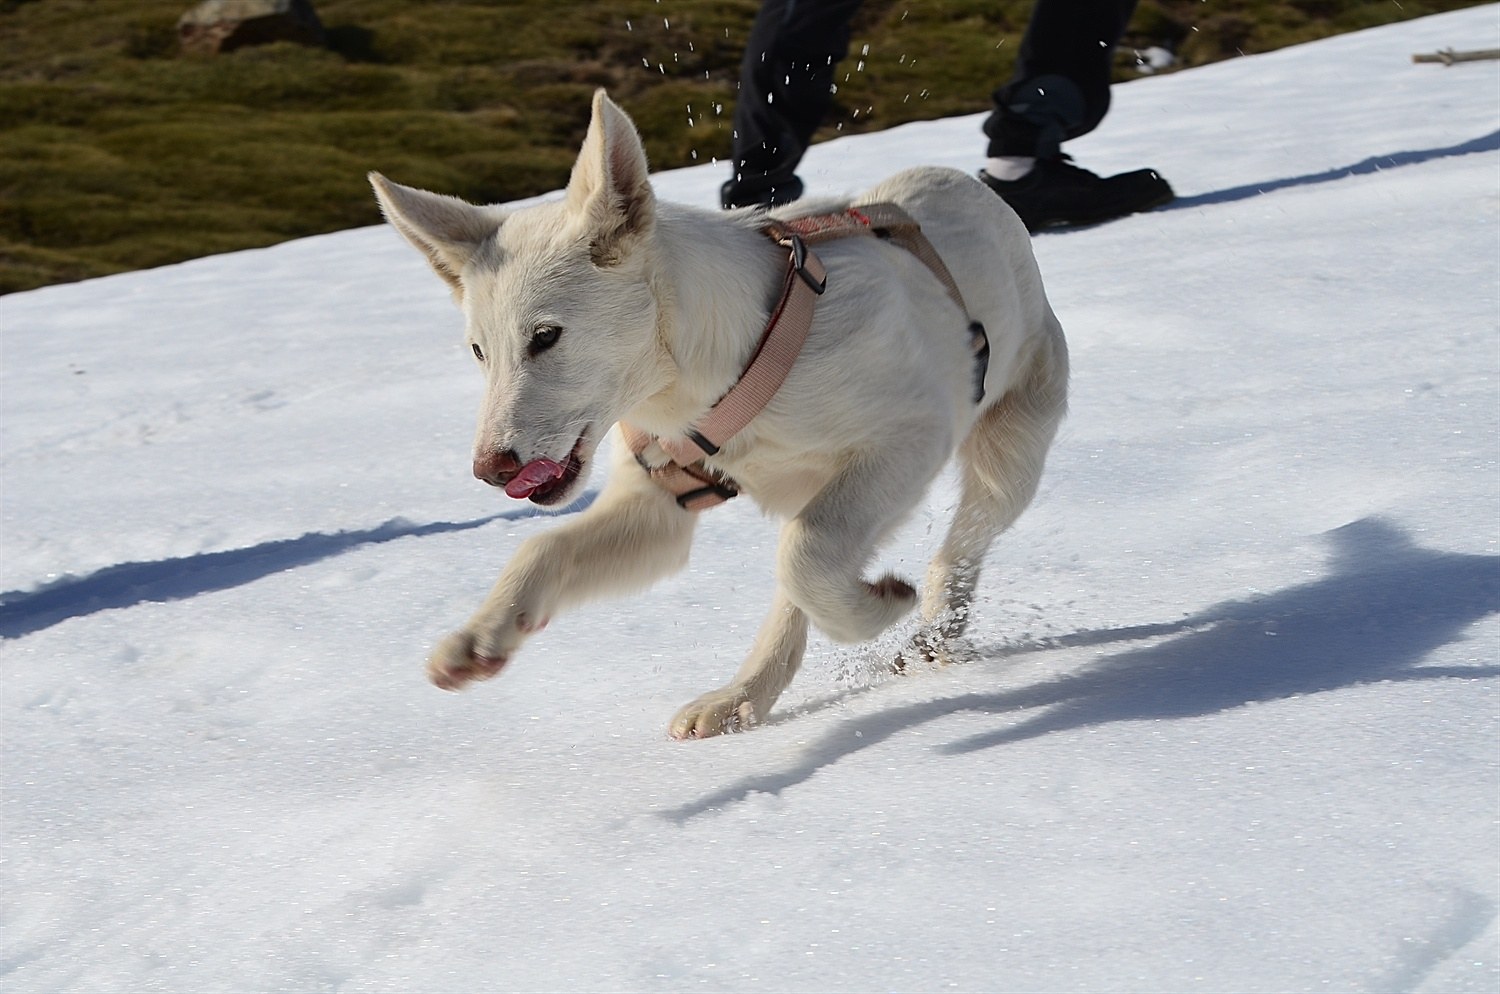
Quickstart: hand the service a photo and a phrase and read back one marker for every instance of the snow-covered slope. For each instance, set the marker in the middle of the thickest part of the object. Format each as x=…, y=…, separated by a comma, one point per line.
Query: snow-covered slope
x=1231, y=728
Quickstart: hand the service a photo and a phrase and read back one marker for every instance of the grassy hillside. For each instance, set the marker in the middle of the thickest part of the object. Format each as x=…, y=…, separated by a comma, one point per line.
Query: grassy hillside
x=117, y=152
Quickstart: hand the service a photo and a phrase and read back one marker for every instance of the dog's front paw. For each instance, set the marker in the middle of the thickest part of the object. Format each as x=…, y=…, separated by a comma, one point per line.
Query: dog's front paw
x=456, y=662
x=483, y=647
x=715, y=713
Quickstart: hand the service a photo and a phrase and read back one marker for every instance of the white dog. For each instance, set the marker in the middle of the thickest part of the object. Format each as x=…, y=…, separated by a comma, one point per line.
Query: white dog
x=611, y=307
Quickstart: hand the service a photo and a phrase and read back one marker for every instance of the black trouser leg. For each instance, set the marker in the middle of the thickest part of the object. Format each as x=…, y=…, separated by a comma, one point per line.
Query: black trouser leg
x=785, y=80
x=1060, y=88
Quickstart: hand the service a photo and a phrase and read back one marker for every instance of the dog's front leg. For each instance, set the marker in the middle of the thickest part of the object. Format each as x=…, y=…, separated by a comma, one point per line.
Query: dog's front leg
x=632, y=535
x=772, y=663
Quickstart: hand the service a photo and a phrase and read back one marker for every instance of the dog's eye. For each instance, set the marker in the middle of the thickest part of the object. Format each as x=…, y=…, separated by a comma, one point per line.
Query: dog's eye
x=478, y=352
x=543, y=338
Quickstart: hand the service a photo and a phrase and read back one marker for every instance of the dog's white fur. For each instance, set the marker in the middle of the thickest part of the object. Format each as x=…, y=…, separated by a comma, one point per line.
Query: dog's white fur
x=661, y=307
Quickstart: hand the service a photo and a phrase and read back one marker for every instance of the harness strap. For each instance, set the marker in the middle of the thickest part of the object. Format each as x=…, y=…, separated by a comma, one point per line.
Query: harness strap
x=695, y=486
x=882, y=220
x=774, y=357
x=684, y=474
x=892, y=223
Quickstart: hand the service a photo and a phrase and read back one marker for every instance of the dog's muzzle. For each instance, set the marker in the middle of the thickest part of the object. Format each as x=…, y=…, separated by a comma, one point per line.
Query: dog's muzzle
x=541, y=481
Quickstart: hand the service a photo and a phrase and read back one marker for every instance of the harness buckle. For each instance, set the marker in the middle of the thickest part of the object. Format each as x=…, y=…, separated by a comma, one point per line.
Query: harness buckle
x=799, y=264
x=708, y=495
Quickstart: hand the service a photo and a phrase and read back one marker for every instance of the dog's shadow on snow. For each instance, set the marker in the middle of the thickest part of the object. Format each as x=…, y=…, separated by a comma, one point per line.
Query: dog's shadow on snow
x=1384, y=606
x=127, y=584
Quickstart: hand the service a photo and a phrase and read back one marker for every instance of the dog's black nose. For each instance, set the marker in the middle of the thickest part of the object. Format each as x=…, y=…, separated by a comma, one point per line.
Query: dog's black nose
x=497, y=468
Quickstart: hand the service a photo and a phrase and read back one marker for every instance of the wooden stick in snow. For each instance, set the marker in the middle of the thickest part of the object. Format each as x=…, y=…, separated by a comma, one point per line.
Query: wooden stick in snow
x=1448, y=56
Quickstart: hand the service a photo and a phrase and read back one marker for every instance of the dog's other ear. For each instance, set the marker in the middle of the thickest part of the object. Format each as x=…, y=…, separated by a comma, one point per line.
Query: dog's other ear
x=611, y=183
x=447, y=230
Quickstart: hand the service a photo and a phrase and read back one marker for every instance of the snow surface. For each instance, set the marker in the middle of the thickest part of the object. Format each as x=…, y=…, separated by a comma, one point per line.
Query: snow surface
x=1232, y=726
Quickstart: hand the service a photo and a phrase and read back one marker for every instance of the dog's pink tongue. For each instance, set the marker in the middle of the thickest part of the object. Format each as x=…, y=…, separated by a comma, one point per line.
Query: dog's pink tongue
x=533, y=476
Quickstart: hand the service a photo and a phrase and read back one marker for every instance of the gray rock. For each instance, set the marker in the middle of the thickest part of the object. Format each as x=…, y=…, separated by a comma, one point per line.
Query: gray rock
x=224, y=25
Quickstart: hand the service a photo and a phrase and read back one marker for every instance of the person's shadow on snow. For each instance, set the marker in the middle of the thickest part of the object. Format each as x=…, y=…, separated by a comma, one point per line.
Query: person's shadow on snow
x=1384, y=606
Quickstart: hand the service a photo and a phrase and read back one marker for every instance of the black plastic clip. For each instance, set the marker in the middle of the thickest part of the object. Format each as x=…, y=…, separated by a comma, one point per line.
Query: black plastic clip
x=799, y=265
x=979, y=345
x=720, y=490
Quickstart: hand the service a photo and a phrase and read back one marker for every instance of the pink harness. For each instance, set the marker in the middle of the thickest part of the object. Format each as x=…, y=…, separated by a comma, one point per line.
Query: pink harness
x=684, y=474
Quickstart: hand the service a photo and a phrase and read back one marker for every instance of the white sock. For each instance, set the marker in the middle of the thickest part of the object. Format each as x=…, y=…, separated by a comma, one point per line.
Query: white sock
x=1009, y=168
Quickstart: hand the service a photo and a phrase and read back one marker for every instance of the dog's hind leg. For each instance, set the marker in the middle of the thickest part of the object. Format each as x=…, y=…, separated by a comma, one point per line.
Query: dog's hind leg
x=1001, y=461
x=772, y=663
x=825, y=548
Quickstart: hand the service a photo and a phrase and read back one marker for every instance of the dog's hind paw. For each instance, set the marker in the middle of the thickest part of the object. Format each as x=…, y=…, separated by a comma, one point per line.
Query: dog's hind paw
x=455, y=663
x=932, y=646
x=715, y=713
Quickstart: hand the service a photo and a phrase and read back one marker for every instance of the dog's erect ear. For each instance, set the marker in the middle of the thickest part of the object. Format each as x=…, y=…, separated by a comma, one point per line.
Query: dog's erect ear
x=611, y=183
x=447, y=230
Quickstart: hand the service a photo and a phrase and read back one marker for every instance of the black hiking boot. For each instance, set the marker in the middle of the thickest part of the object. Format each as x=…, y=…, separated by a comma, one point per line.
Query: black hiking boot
x=1057, y=193
x=763, y=191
